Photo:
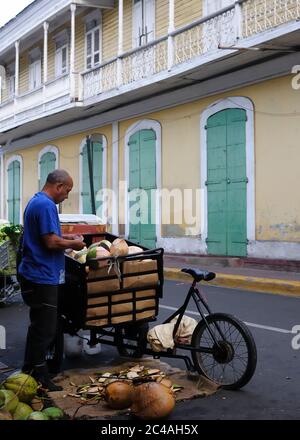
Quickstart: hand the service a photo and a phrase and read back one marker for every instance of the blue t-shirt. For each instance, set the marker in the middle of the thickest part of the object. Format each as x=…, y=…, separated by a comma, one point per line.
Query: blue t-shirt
x=39, y=264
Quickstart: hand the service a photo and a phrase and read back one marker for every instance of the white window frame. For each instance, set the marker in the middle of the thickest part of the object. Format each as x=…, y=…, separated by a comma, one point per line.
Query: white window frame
x=45, y=150
x=96, y=17
x=144, y=38
x=95, y=136
x=35, y=59
x=93, y=52
x=9, y=161
x=59, y=71
x=223, y=104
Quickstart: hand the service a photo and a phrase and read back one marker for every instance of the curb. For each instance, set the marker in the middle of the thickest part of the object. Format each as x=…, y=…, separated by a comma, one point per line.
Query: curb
x=265, y=285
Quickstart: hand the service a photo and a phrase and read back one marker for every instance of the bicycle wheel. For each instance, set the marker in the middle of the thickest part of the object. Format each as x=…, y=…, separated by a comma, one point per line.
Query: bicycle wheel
x=231, y=363
x=134, y=334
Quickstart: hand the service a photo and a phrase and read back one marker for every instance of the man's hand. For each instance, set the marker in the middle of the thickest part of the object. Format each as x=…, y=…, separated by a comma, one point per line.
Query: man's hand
x=54, y=242
x=77, y=245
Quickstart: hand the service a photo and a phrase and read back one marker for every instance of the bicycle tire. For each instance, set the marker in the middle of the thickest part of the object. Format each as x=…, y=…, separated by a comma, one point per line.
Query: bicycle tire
x=227, y=354
x=136, y=333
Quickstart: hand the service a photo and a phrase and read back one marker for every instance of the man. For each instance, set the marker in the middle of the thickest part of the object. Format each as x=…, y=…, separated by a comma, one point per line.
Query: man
x=41, y=271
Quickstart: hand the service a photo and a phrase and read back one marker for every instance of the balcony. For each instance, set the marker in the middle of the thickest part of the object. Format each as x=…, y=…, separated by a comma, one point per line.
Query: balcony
x=52, y=97
x=232, y=26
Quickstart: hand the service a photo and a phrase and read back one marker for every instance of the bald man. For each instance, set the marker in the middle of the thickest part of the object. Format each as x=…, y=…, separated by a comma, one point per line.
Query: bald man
x=42, y=271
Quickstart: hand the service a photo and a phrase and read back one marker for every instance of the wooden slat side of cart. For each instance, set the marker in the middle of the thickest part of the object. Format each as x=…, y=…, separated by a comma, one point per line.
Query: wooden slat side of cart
x=98, y=297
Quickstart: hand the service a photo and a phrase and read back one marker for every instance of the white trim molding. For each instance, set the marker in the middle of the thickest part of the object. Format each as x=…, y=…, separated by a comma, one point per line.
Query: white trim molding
x=2, y=186
x=231, y=102
x=145, y=124
x=45, y=150
x=94, y=136
x=8, y=162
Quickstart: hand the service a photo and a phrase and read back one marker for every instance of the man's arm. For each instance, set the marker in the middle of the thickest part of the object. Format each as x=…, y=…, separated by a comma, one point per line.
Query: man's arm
x=54, y=242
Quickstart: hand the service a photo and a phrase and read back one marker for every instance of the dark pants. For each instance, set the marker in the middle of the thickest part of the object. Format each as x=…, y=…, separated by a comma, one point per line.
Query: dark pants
x=42, y=300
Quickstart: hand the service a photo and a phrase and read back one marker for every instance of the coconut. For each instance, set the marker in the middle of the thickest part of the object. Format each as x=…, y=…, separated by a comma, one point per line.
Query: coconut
x=105, y=244
x=92, y=252
x=37, y=415
x=102, y=253
x=53, y=413
x=23, y=385
x=37, y=404
x=8, y=400
x=134, y=250
x=81, y=256
x=22, y=411
x=119, y=248
x=152, y=401
x=119, y=395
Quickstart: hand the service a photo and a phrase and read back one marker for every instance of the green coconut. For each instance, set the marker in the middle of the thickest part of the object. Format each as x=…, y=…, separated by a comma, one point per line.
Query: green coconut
x=22, y=411
x=53, y=413
x=92, y=253
x=23, y=385
x=105, y=244
x=8, y=400
x=37, y=415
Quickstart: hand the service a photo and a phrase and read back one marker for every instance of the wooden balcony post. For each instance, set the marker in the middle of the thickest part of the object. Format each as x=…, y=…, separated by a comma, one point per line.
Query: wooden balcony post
x=17, y=67
x=171, y=29
x=72, y=54
x=46, y=28
x=120, y=42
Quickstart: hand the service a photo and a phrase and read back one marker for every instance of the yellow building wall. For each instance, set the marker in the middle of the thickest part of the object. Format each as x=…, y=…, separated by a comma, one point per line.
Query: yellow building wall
x=161, y=18
x=187, y=11
x=109, y=33
x=127, y=25
x=277, y=158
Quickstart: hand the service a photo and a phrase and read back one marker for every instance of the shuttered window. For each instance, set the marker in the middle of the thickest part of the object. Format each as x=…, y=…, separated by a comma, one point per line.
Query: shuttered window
x=14, y=192
x=97, y=161
x=47, y=165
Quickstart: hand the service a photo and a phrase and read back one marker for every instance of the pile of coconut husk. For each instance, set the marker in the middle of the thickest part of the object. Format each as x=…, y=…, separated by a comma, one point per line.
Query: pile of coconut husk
x=83, y=394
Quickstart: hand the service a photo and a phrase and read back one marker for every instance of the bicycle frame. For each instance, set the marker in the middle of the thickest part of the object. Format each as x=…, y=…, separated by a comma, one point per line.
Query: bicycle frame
x=199, y=299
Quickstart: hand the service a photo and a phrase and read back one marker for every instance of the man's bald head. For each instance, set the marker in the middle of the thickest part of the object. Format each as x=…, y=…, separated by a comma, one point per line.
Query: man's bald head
x=58, y=185
x=58, y=176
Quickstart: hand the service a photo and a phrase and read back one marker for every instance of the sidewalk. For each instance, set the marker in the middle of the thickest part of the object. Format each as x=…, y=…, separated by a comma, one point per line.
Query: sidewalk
x=269, y=280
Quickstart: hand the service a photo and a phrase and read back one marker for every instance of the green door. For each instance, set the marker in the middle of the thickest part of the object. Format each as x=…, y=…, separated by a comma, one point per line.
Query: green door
x=227, y=183
x=142, y=183
x=47, y=165
x=97, y=161
x=14, y=199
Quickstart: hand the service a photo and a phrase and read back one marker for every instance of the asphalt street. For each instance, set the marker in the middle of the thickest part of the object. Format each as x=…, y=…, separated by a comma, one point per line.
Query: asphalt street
x=271, y=394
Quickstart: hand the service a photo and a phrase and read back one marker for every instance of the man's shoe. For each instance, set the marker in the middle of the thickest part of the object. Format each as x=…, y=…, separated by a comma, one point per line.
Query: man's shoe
x=41, y=374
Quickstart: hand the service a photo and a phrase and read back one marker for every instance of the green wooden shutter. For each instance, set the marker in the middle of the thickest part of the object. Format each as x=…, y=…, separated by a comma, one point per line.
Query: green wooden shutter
x=142, y=175
x=216, y=184
x=134, y=184
x=14, y=199
x=148, y=183
x=236, y=183
x=227, y=183
x=47, y=165
x=97, y=161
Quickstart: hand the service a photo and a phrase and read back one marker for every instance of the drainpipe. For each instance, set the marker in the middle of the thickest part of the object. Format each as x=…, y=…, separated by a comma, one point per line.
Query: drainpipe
x=91, y=174
x=2, y=185
x=72, y=54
